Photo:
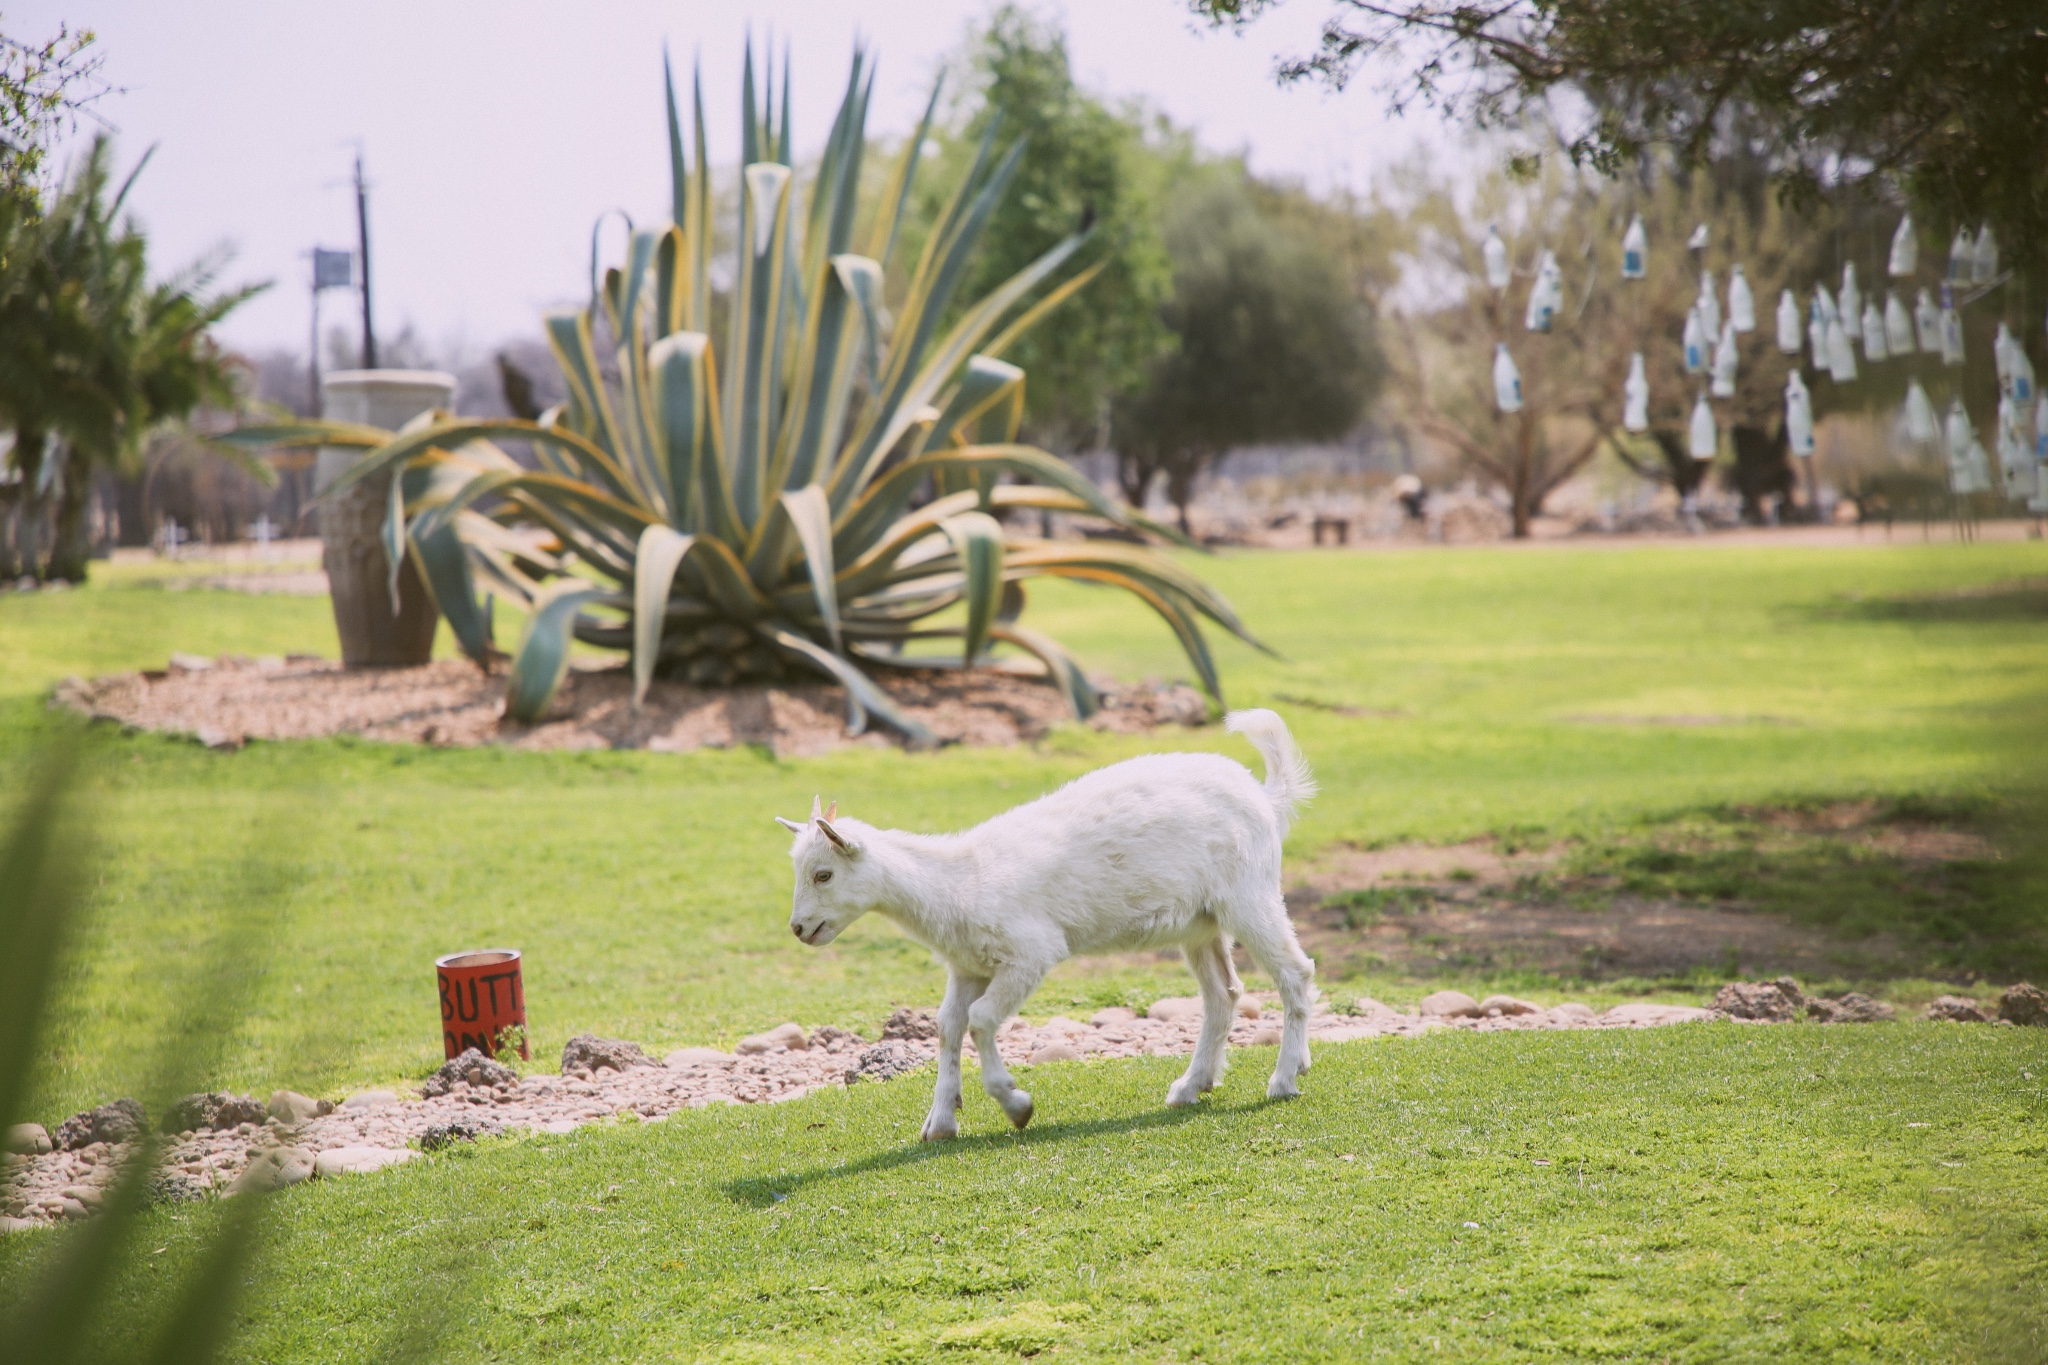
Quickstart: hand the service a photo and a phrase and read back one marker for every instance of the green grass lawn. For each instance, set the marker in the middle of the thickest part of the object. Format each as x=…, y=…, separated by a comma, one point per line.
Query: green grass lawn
x=1745, y=1194
x=649, y=891
x=1709, y=1193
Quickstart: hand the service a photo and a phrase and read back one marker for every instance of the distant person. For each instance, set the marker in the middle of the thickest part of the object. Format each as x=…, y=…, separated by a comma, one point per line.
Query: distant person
x=1412, y=496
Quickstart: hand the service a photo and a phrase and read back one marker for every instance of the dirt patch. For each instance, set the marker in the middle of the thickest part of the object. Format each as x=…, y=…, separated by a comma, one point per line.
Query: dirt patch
x=227, y=701
x=1641, y=908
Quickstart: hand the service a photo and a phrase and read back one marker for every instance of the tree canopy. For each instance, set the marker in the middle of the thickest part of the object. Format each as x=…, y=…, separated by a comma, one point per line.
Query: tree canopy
x=1083, y=162
x=1948, y=100
x=1272, y=342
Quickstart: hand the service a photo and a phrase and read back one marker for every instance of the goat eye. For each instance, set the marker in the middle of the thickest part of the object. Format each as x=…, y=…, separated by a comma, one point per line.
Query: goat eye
x=822, y=877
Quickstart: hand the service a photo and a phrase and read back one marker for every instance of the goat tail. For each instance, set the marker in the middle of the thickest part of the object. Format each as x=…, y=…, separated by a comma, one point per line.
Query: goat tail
x=1288, y=780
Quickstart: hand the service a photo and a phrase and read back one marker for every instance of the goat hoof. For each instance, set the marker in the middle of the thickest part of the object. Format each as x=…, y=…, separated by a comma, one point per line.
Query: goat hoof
x=1019, y=1108
x=1278, y=1089
x=938, y=1132
x=1182, y=1092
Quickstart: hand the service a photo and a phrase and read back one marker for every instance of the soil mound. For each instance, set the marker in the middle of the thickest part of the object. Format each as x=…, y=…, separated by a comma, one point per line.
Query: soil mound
x=227, y=701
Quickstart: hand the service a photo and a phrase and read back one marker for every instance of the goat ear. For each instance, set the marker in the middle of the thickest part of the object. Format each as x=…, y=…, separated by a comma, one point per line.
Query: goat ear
x=792, y=826
x=832, y=811
x=817, y=806
x=838, y=841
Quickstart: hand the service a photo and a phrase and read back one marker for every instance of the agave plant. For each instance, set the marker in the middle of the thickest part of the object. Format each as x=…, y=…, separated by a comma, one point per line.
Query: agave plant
x=809, y=494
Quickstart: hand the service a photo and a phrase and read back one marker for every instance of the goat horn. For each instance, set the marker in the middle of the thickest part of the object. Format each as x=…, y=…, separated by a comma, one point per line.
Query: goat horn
x=832, y=811
x=817, y=806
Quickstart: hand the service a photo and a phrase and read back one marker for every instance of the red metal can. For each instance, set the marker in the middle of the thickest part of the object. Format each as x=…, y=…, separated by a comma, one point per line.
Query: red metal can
x=483, y=1003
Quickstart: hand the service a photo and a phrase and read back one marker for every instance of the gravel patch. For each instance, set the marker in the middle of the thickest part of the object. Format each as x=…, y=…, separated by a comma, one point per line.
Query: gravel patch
x=225, y=702
x=472, y=1097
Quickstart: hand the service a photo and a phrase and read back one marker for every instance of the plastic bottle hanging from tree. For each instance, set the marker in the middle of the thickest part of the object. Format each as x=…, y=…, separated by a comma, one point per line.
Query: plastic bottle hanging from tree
x=2041, y=437
x=1495, y=252
x=1852, y=299
x=1841, y=357
x=1698, y=240
x=1635, y=250
x=1898, y=326
x=1725, y=360
x=1927, y=322
x=2015, y=461
x=1704, y=437
x=1798, y=415
x=1951, y=329
x=1962, y=257
x=1695, y=341
x=1507, y=380
x=1817, y=325
x=1905, y=261
x=1545, y=296
x=2022, y=374
x=1984, y=260
x=1709, y=305
x=2001, y=357
x=1789, y=340
x=1921, y=428
x=1741, y=302
x=1874, y=346
x=1956, y=432
x=1635, y=394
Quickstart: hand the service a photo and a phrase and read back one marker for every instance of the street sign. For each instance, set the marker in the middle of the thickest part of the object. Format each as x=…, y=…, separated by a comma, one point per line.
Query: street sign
x=333, y=269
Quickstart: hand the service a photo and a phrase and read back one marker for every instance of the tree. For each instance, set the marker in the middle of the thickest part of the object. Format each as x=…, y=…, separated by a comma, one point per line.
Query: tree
x=1573, y=375
x=1271, y=344
x=93, y=356
x=1942, y=98
x=1083, y=164
x=43, y=86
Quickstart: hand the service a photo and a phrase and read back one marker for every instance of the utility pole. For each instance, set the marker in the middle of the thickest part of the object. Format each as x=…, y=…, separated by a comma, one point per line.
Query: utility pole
x=363, y=251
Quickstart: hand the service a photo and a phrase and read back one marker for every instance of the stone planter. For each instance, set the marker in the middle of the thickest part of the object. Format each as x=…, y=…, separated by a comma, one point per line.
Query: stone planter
x=352, y=523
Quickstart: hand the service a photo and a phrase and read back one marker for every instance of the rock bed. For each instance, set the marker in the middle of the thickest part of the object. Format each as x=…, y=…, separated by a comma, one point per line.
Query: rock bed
x=49, y=1178
x=224, y=702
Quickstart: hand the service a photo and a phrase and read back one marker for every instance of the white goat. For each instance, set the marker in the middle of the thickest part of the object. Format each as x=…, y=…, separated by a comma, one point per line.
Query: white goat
x=1168, y=850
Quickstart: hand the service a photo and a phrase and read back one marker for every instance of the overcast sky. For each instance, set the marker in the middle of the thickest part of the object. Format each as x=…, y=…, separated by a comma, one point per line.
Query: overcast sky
x=495, y=133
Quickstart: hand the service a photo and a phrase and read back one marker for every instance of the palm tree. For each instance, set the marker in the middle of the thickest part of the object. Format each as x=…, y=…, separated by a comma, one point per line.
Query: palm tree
x=93, y=356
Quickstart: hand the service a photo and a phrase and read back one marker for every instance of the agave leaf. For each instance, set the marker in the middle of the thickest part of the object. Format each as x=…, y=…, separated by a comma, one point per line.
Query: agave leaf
x=802, y=515
x=1136, y=561
x=978, y=538
x=654, y=572
x=885, y=499
x=444, y=565
x=753, y=383
x=396, y=449
x=394, y=536
x=308, y=432
x=725, y=580
x=1167, y=604
x=1031, y=316
x=862, y=693
x=984, y=385
x=822, y=379
x=590, y=406
x=686, y=408
x=543, y=655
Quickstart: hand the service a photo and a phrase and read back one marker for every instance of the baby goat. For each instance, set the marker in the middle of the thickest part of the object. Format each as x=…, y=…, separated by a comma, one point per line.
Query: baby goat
x=1168, y=850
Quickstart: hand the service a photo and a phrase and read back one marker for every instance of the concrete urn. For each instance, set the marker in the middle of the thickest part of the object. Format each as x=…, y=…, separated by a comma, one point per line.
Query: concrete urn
x=352, y=522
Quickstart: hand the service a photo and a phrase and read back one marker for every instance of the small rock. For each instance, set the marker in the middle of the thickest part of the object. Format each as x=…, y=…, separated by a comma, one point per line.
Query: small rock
x=92, y=1196
x=1643, y=1014
x=884, y=1061
x=289, y=1106
x=1065, y=1027
x=190, y=663
x=1455, y=1004
x=1176, y=1009
x=28, y=1139
x=2024, y=1005
x=911, y=1025
x=1112, y=1017
x=588, y=1053
x=369, y=1099
x=1056, y=1052
x=1572, y=1012
x=1508, y=1004
x=273, y=1168
x=1956, y=1009
x=116, y=1121
x=76, y=1211
x=446, y=1134
x=788, y=1037
x=360, y=1160
x=473, y=1068
x=832, y=1038
x=1248, y=1006
x=213, y=737
x=1775, y=1002
x=1266, y=1035
x=213, y=1110
x=8, y=1225
x=1852, y=1008
x=697, y=1056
